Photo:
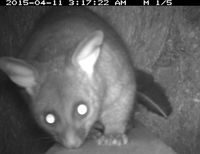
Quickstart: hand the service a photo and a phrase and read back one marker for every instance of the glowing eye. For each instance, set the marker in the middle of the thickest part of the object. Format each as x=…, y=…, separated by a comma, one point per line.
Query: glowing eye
x=82, y=109
x=50, y=118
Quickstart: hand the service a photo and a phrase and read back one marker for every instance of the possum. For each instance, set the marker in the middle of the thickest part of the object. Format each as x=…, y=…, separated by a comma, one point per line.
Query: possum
x=77, y=70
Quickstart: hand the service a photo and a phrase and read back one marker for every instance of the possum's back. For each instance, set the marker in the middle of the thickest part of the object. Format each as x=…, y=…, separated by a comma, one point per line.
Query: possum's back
x=60, y=30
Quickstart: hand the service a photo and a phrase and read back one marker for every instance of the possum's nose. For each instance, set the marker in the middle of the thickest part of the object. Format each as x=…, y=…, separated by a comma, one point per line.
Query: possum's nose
x=72, y=141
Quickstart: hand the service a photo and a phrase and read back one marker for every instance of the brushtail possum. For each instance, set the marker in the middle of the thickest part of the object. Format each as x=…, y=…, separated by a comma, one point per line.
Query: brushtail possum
x=77, y=71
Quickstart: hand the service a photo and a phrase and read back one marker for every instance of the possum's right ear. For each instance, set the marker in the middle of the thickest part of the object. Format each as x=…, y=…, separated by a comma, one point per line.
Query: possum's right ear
x=20, y=72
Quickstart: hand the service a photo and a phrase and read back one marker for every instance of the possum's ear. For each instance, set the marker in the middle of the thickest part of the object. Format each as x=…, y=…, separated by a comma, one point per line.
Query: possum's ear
x=88, y=51
x=20, y=72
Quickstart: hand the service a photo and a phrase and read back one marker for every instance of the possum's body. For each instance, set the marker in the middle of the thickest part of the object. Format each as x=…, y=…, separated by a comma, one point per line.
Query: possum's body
x=78, y=71
x=72, y=58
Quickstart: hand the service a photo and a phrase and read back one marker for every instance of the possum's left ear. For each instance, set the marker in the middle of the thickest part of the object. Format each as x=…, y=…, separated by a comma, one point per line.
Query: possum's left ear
x=20, y=72
x=88, y=51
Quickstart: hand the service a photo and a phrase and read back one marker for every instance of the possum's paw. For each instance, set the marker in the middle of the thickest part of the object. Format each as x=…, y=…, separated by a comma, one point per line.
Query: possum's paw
x=116, y=139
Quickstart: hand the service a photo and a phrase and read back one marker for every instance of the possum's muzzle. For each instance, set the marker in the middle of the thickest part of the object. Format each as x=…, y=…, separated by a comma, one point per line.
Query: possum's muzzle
x=72, y=142
x=73, y=139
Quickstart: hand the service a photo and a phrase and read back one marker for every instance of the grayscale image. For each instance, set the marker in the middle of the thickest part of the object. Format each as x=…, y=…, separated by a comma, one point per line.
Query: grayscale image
x=99, y=80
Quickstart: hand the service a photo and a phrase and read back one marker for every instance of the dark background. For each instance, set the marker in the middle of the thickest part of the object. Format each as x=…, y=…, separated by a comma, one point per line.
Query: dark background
x=163, y=41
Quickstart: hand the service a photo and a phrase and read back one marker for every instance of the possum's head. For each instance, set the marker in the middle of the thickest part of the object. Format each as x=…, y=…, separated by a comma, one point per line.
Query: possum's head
x=65, y=101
